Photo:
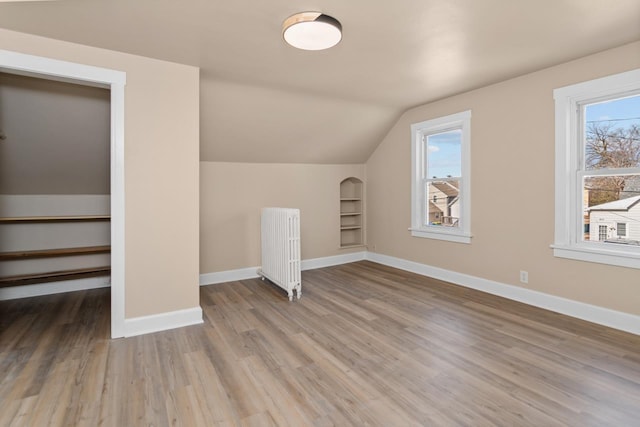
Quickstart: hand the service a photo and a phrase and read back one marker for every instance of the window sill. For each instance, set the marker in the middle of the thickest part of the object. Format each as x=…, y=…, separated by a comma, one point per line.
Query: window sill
x=455, y=237
x=601, y=256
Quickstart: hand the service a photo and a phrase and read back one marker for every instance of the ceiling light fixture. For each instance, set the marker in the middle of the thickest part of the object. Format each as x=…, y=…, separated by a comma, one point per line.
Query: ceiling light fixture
x=312, y=31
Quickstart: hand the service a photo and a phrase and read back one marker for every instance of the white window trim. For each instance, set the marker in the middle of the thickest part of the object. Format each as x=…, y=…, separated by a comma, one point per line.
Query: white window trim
x=568, y=198
x=462, y=233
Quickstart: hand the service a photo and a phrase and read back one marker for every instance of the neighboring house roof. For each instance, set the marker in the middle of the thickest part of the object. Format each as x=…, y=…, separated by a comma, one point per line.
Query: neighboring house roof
x=446, y=187
x=617, y=205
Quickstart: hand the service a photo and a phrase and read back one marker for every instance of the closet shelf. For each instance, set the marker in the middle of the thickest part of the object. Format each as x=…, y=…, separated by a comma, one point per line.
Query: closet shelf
x=53, y=276
x=55, y=218
x=49, y=253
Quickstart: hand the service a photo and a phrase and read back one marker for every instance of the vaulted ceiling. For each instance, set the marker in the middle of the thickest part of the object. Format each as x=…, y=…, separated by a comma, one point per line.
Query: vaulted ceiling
x=264, y=101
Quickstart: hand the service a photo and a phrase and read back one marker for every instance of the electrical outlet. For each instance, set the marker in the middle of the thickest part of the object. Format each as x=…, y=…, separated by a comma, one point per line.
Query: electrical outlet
x=524, y=276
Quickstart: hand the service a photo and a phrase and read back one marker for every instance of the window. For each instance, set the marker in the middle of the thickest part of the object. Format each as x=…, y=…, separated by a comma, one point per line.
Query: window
x=602, y=233
x=621, y=229
x=598, y=170
x=440, y=191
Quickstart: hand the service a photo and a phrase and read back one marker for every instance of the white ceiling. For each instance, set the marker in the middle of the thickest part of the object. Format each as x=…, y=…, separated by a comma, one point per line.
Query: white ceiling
x=263, y=101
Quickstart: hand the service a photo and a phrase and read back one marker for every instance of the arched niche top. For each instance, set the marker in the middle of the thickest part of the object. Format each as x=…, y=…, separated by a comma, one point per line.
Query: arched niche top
x=351, y=187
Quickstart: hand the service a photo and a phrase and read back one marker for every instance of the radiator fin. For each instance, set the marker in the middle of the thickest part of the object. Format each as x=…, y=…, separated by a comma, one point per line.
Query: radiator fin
x=280, y=231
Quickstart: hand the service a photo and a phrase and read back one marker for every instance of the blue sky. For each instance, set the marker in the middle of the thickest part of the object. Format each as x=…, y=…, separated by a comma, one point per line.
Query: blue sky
x=444, y=154
x=615, y=110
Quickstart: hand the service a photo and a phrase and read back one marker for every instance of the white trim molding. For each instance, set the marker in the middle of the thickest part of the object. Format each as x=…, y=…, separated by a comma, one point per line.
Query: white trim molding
x=162, y=321
x=421, y=178
x=252, y=272
x=27, y=291
x=228, y=276
x=313, y=263
x=591, y=313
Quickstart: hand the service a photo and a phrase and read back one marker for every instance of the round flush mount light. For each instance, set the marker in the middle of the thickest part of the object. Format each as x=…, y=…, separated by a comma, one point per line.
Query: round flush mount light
x=312, y=31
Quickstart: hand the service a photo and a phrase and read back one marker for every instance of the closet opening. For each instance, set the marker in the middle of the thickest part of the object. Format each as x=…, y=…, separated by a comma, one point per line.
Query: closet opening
x=61, y=179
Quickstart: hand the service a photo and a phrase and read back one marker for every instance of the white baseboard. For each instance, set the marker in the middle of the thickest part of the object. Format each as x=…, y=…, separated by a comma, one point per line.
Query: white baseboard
x=313, y=263
x=591, y=313
x=27, y=291
x=252, y=272
x=162, y=322
x=229, y=276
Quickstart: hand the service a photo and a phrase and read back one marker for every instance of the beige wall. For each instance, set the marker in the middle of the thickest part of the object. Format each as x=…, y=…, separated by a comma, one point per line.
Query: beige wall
x=285, y=126
x=512, y=211
x=232, y=194
x=161, y=171
x=57, y=137
x=512, y=162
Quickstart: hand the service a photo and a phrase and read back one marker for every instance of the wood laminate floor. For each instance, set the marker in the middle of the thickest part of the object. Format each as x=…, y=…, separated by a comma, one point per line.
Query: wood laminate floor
x=366, y=345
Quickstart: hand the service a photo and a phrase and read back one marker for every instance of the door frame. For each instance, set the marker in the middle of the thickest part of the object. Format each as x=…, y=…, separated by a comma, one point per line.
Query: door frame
x=53, y=69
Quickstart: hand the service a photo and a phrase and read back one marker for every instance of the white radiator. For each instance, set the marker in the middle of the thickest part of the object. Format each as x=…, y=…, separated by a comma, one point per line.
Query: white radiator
x=280, y=229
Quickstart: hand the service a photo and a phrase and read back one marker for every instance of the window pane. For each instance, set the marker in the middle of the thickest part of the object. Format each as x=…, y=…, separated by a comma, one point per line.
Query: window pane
x=443, y=203
x=612, y=209
x=612, y=134
x=622, y=229
x=602, y=232
x=444, y=154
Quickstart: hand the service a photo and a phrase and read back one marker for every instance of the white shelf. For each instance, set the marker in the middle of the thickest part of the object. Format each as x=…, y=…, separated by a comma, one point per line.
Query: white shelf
x=57, y=275
x=351, y=217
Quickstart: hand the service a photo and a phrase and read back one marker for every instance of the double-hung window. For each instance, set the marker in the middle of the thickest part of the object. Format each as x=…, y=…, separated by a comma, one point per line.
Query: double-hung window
x=440, y=193
x=622, y=230
x=598, y=170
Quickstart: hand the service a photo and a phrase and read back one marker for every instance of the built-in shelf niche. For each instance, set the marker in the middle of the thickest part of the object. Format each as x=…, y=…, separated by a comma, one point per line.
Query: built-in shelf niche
x=58, y=275
x=351, y=213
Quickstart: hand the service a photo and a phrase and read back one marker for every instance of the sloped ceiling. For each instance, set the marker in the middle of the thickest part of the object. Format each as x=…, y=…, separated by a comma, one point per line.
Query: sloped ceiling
x=263, y=101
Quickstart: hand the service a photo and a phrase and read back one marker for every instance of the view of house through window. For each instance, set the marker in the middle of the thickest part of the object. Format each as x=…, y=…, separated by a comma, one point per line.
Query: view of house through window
x=441, y=188
x=444, y=171
x=611, y=171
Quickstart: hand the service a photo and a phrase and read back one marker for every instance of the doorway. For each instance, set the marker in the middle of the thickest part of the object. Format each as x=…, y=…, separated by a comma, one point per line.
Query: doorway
x=114, y=81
